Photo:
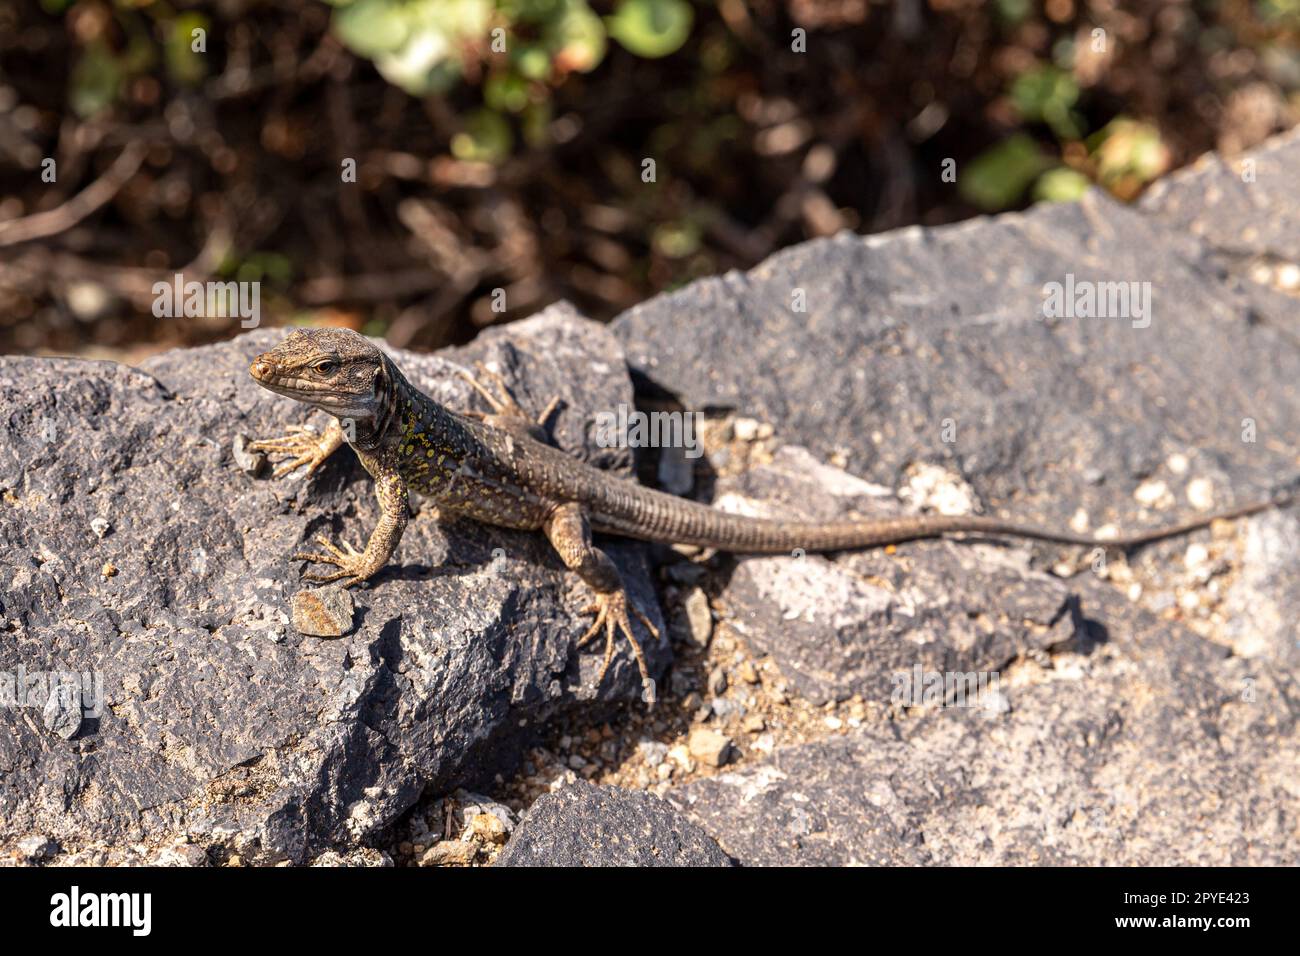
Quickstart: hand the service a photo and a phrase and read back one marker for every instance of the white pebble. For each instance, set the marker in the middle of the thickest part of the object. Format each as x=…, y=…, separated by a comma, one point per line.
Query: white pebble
x=1200, y=494
x=745, y=429
x=1149, y=492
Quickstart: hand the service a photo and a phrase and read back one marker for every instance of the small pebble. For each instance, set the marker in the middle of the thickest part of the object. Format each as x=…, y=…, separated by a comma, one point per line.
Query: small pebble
x=323, y=612
x=35, y=846
x=1150, y=492
x=488, y=828
x=652, y=751
x=681, y=756
x=62, y=712
x=100, y=526
x=699, y=617
x=745, y=429
x=709, y=747
x=717, y=681
x=449, y=853
x=1200, y=494
x=246, y=460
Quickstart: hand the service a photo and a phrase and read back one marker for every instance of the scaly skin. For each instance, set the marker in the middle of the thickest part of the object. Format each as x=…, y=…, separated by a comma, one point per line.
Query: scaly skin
x=498, y=470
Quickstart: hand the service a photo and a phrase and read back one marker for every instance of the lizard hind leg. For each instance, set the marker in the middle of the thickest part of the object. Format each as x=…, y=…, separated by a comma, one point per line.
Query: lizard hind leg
x=506, y=412
x=570, y=534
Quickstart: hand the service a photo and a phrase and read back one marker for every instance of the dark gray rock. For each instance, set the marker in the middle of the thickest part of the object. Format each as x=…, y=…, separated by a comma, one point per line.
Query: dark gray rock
x=139, y=552
x=218, y=721
x=1241, y=205
x=852, y=623
x=584, y=825
x=1154, y=750
x=1115, y=735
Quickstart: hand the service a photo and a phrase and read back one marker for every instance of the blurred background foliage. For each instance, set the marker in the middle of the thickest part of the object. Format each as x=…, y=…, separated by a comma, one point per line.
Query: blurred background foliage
x=390, y=165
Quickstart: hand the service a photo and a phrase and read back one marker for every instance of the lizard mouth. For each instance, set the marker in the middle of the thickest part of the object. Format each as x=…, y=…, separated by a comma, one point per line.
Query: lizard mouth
x=269, y=375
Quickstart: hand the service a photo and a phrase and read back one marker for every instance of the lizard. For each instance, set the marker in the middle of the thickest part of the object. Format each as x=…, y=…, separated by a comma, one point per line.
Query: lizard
x=500, y=469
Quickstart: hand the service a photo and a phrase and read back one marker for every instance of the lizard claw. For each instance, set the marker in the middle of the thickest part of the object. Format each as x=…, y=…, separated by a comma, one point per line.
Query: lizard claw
x=351, y=562
x=611, y=609
x=501, y=401
x=301, y=446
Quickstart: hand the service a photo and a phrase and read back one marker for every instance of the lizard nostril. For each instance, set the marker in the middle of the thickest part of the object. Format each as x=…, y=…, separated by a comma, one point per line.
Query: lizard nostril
x=260, y=368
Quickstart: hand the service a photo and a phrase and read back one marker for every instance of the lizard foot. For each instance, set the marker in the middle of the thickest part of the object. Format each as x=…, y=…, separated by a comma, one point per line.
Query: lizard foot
x=302, y=446
x=351, y=562
x=501, y=401
x=611, y=609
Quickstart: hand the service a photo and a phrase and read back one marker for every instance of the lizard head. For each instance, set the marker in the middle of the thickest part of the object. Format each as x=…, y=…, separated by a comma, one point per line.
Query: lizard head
x=335, y=370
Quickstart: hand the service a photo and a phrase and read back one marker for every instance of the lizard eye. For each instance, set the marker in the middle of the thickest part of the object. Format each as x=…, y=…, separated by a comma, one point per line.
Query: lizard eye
x=327, y=367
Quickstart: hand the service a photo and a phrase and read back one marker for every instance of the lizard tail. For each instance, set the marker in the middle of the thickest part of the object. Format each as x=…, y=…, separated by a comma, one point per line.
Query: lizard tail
x=696, y=524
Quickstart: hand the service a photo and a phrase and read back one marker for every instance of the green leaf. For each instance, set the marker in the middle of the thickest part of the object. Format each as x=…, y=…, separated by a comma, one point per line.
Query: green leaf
x=999, y=176
x=420, y=66
x=577, y=38
x=486, y=138
x=372, y=27
x=1061, y=185
x=185, y=65
x=1048, y=94
x=676, y=240
x=651, y=28
x=533, y=63
x=506, y=92
x=95, y=80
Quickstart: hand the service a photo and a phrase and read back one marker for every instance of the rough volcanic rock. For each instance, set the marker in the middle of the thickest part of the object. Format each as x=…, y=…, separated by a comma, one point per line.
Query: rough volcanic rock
x=583, y=825
x=853, y=623
x=134, y=546
x=1128, y=738
x=1239, y=206
x=1154, y=750
x=134, y=549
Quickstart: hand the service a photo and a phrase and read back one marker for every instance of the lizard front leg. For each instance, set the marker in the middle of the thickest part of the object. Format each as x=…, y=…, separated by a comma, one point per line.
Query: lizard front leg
x=302, y=446
x=394, y=510
x=570, y=534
